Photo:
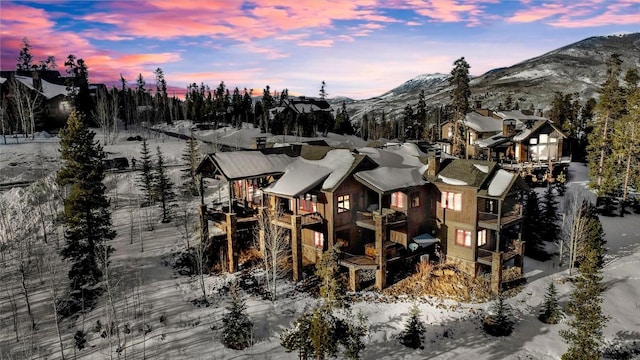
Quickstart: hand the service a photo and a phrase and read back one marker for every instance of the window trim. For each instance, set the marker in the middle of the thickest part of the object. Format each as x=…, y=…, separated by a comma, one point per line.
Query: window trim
x=465, y=239
x=343, y=204
x=451, y=200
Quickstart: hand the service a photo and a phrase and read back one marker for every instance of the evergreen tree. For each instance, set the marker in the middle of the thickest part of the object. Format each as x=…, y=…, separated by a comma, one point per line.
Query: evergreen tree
x=551, y=312
x=413, y=333
x=460, y=101
x=236, y=324
x=584, y=335
x=87, y=217
x=323, y=90
x=343, y=122
x=332, y=288
x=609, y=108
x=78, y=84
x=508, y=102
x=499, y=321
x=626, y=139
x=146, y=176
x=319, y=333
x=549, y=217
x=268, y=103
x=163, y=187
x=191, y=156
x=25, y=59
x=593, y=236
x=531, y=228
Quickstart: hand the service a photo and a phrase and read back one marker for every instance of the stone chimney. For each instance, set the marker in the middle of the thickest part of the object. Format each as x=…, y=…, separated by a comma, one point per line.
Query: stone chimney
x=433, y=164
x=508, y=127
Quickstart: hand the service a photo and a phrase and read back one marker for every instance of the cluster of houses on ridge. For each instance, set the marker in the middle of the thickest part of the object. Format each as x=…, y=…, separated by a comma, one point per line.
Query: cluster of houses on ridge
x=384, y=206
x=380, y=206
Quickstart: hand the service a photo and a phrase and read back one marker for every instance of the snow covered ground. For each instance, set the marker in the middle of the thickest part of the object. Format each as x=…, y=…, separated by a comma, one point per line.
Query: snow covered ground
x=150, y=292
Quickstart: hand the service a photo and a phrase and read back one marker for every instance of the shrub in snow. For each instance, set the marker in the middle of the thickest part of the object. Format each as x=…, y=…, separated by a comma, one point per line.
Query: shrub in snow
x=80, y=339
x=237, y=326
x=413, y=333
x=499, y=321
x=319, y=333
x=551, y=312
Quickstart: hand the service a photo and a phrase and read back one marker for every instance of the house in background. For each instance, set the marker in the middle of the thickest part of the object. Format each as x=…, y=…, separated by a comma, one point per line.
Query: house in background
x=478, y=213
x=531, y=145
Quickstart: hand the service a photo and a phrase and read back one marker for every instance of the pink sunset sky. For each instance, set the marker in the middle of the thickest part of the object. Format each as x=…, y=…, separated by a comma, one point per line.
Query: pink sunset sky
x=360, y=48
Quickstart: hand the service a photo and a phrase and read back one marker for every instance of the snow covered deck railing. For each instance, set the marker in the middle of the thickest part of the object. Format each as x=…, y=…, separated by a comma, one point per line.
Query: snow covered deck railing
x=393, y=217
x=360, y=262
x=490, y=220
x=486, y=256
x=515, y=164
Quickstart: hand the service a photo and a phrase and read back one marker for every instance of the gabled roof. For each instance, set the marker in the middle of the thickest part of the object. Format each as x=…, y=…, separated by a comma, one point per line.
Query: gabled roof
x=502, y=183
x=464, y=172
x=327, y=172
x=482, y=123
x=49, y=90
x=386, y=179
x=535, y=128
x=238, y=165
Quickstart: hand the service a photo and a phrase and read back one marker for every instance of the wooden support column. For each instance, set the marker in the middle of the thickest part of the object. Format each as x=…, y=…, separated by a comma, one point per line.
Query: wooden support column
x=204, y=224
x=353, y=279
x=381, y=260
x=263, y=251
x=232, y=242
x=296, y=246
x=519, y=260
x=496, y=272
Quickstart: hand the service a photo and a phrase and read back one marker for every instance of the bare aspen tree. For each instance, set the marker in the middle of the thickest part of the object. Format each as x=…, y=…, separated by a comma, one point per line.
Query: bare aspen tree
x=199, y=258
x=185, y=224
x=102, y=115
x=274, y=243
x=27, y=104
x=3, y=118
x=53, y=264
x=574, y=226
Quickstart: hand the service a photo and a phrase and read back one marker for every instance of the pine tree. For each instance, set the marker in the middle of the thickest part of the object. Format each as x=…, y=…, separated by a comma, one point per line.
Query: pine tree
x=499, y=321
x=609, y=108
x=25, y=59
x=460, y=101
x=584, y=335
x=163, y=187
x=531, y=227
x=236, y=324
x=343, y=122
x=146, y=177
x=191, y=156
x=332, y=287
x=549, y=217
x=551, y=312
x=323, y=90
x=87, y=217
x=413, y=333
x=319, y=333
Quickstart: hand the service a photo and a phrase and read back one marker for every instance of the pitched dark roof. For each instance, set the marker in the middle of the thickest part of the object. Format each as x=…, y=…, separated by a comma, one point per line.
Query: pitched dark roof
x=470, y=172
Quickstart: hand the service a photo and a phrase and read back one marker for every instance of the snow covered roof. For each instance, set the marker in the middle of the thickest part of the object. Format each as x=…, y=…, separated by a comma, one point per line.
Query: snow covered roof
x=404, y=155
x=299, y=177
x=249, y=164
x=49, y=90
x=303, y=175
x=386, y=179
x=482, y=123
x=500, y=183
x=465, y=172
x=518, y=115
x=494, y=140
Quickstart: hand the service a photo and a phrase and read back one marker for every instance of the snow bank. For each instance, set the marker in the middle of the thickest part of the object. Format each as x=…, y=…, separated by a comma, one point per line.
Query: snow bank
x=452, y=181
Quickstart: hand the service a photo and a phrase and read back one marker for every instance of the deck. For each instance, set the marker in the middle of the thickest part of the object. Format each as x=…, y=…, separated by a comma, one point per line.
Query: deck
x=490, y=221
x=485, y=256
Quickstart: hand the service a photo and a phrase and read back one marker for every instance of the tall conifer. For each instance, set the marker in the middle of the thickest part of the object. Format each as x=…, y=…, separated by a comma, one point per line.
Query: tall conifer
x=87, y=217
x=163, y=187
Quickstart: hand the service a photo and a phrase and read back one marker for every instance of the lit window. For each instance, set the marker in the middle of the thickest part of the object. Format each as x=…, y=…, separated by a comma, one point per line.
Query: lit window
x=463, y=238
x=398, y=200
x=318, y=239
x=308, y=203
x=450, y=200
x=544, y=138
x=343, y=203
x=482, y=237
x=450, y=131
x=415, y=200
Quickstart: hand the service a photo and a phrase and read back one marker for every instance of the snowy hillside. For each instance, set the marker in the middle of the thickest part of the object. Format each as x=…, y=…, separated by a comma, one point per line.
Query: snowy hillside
x=158, y=305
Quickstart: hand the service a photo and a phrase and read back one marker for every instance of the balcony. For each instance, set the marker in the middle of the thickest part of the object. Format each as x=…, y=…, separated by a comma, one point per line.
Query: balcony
x=486, y=256
x=306, y=220
x=490, y=221
x=392, y=218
